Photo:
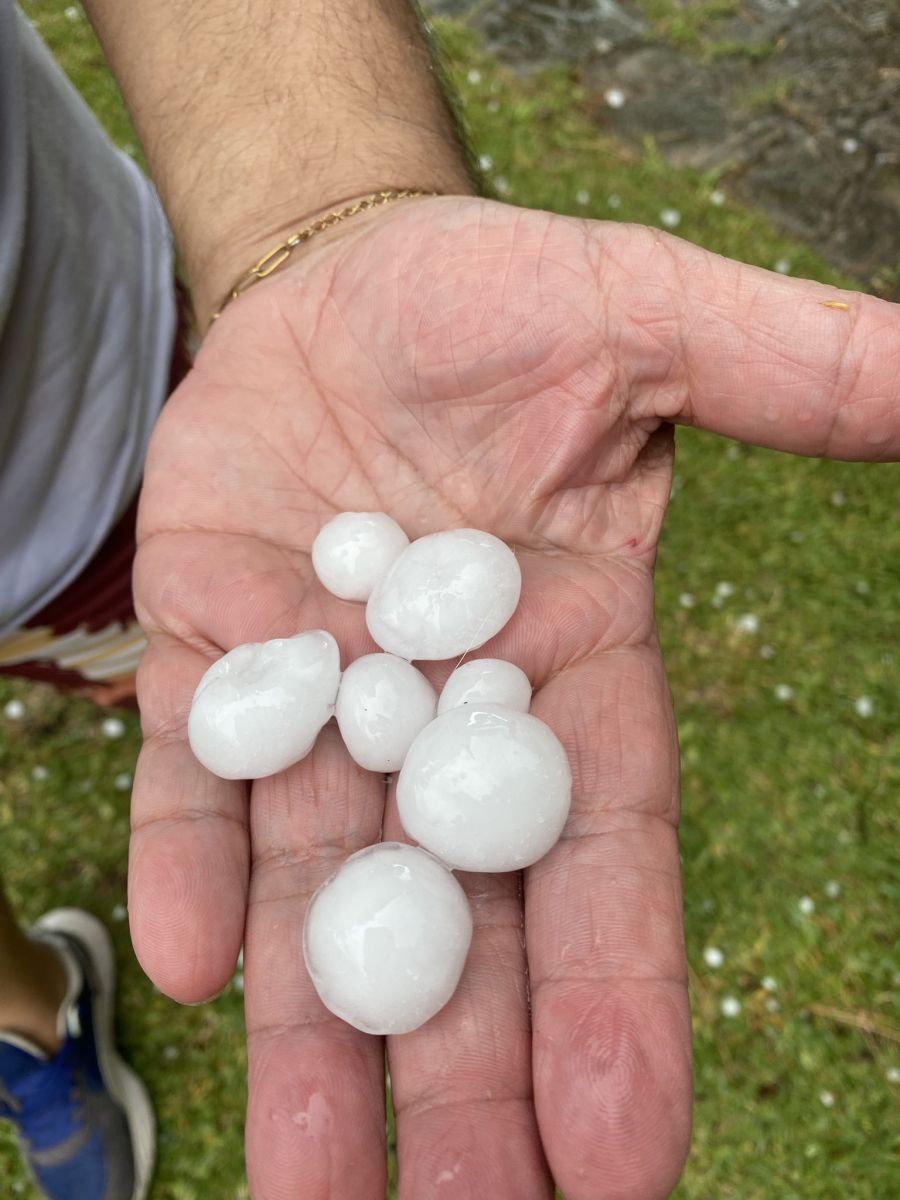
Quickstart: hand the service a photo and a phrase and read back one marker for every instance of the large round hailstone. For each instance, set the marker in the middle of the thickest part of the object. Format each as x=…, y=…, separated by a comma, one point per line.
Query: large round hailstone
x=485, y=788
x=259, y=708
x=486, y=681
x=386, y=938
x=354, y=550
x=446, y=594
x=382, y=703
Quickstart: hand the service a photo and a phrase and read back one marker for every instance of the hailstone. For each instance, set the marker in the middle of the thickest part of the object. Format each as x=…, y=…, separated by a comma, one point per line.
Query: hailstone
x=382, y=703
x=386, y=938
x=446, y=594
x=485, y=788
x=486, y=681
x=259, y=708
x=354, y=550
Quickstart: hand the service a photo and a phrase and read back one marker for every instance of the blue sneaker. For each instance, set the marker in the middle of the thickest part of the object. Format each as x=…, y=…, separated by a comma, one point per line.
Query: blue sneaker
x=83, y=1117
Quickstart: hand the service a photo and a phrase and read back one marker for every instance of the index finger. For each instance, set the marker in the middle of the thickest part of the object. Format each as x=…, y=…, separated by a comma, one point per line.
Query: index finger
x=603, y=923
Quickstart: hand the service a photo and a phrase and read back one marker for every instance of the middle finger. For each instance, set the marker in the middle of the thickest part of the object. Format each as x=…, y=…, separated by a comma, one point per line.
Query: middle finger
x=461, y=1084
x=315, y=1122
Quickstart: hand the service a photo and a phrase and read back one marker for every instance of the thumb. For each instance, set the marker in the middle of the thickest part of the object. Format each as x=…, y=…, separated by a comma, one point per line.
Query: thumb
x=784, y=363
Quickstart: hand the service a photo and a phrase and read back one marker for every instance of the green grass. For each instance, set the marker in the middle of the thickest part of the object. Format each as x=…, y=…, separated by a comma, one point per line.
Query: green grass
x=773, y=94
x=781, y=798
x=693, y=26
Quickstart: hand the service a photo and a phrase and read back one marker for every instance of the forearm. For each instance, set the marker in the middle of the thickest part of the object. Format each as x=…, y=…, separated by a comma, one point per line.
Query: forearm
x=255, y=113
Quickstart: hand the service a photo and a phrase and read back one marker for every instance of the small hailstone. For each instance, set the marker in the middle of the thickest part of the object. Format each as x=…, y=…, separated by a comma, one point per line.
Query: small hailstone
x=614, y=201
x=170, y=1053
x=732, y=452
x=260, y=707
x=382, y=703
x=892, y=1074
x=769, y=984
x=747, y=623
x=807, y=905
x=730, y=1006
x=72, y=13
x=724, y=589
x=39, y=773
x=864, y=706
x=670, y=217
x=122, y=782
x=113, y=727
x=354, y=550
x=486, y=681
x=686, y=600
x=474, y=76
x=614, y=97
x=838, y=499
x=767, y=651
x=850, y=145
x=782, y=266
x=582, y=197
x=485, y=788
x=501, y=185
x=386, y=938
x=772, y=1005
x=826, y=1099
x=832, y=889
x=784, y=692
x=119, y=912
x=713, y=957
x=446, y=594
x=862, y=587
x=485, y=162
x=14, y=710
x=717, y=197
x=238, y=982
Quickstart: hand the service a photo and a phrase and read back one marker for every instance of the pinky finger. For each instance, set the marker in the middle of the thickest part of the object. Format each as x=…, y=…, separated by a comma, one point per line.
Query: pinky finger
x=189, y=856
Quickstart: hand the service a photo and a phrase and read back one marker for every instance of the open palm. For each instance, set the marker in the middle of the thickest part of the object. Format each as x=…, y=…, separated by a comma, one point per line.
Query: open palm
x=460, y=363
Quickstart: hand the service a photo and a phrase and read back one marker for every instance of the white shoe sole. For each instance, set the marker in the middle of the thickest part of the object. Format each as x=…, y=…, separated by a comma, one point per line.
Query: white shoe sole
x=124, y=1085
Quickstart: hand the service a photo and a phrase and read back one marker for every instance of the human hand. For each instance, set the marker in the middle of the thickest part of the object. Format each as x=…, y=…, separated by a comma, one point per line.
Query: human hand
x=457, y=362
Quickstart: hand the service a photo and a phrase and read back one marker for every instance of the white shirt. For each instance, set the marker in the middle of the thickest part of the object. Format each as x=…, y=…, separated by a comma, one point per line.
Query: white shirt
x=87, y=318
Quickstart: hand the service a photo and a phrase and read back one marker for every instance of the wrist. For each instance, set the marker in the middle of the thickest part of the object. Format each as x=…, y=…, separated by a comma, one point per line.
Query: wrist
x=230, y=261
x=314, y=103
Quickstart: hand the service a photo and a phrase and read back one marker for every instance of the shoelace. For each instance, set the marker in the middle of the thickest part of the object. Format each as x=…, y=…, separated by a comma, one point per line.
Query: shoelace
x=9, y=1105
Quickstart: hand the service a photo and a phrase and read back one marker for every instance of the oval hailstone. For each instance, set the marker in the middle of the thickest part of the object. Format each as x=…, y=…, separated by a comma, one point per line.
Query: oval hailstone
x=382, y=703
x=485, y=788
x=446, y=594
x=259, y=708
x=386, y=938
x=486, y=681
x=354, y=550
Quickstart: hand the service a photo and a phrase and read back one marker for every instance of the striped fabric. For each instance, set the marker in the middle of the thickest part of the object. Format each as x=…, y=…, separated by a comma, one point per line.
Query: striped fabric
x=104, y=655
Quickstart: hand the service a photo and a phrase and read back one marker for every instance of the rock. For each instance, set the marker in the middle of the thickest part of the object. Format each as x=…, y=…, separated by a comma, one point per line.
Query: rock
x=776, y=120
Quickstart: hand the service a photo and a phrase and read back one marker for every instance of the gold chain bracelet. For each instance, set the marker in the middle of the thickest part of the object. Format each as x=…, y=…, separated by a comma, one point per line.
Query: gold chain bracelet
x=275, y=257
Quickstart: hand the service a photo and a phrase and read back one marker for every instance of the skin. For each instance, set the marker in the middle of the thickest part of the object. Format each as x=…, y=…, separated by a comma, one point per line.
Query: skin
x=455, y=362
